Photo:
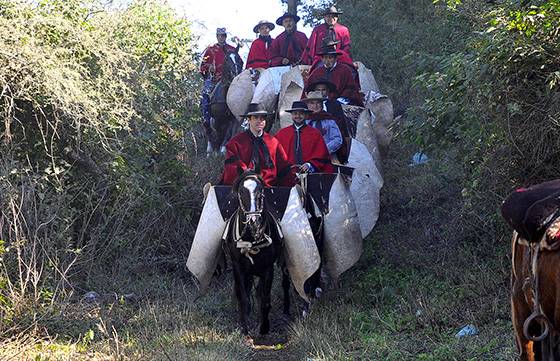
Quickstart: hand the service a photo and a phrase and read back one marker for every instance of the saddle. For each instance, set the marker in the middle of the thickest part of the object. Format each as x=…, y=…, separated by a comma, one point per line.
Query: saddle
x=276, y=200
x=218, y=93
x=531, y=211
x=318, y=186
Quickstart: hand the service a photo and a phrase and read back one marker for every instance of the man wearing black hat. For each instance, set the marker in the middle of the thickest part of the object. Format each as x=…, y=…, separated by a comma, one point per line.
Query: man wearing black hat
x=324, y=122
x=255, y=149
x=213, y=56
x=328, y=89
x=333, y=107
x=259, y=54
x=304, y=145
x=288, y=47
x=338, y=73
x=211, y=66
x=332, y=31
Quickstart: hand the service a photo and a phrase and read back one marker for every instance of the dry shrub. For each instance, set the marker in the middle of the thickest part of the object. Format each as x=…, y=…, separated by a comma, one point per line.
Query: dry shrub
x=96, y=148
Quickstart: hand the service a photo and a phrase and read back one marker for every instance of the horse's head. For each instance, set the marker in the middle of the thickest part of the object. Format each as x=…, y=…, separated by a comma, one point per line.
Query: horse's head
x=250, y=193
x=233, y=65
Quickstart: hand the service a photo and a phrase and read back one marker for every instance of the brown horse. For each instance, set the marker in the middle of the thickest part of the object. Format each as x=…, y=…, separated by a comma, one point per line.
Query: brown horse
x=535, y=298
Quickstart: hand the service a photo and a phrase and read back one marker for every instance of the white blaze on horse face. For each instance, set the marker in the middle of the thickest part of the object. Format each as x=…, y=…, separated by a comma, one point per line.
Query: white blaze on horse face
x=251, y=186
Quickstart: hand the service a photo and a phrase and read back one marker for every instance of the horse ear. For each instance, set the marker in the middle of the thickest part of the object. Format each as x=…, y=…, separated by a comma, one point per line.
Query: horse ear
x=239, y=171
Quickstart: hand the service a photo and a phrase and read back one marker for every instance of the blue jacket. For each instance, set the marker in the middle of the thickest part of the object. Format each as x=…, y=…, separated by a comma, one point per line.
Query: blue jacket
x=329, y=130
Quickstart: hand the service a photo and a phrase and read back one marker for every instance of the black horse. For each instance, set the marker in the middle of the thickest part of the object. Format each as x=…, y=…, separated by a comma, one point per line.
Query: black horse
x=254, y=244
x=223, y=124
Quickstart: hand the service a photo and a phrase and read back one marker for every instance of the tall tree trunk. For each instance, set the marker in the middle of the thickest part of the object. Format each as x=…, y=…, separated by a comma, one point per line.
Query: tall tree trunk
x=292, y=6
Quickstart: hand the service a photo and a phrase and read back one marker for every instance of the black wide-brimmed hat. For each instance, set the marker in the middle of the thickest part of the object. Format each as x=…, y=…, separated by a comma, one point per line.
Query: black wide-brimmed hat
x=256, y=109
x=270, y=25
x=330, y=85
x=299, y=106
x=328, y=50
x=287, y=15
x=332, y=11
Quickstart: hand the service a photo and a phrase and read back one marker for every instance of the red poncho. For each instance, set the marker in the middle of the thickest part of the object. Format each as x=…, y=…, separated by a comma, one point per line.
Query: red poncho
x=259, y=54
x=214, y=55
x=241, y=151
x=342, y=77
x=315, y=42
x=289, y=46
x=313, y=150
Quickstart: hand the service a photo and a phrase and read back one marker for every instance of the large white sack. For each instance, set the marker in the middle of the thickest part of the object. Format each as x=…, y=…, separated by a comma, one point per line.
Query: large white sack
x=300, y=250
x=365, y=187
x=240, y=93
x=268, y=87
x=382, y=108
x=366, y=135
x=207, y=243
x=367, y=80
x=291, y=90
x=342, y=233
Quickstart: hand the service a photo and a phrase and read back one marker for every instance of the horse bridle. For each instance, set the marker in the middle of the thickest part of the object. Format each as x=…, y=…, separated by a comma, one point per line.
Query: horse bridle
x=241, y=226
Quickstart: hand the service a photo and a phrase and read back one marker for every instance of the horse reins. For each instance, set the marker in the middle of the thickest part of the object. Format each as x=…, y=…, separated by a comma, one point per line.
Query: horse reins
x=241, y=228
x=262, y=239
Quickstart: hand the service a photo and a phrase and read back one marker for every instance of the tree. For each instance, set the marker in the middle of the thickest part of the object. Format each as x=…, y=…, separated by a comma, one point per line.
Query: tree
x=292, y=6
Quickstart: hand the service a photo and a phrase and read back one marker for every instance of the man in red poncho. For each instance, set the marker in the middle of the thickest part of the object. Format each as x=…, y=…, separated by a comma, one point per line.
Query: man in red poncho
x=214, y=55
x=211, y=69
x=332, y=31
x=308, y=152
x=288, y=47
x=340, y=74
x=304, y=145
x=255, y=149
x=259, y=54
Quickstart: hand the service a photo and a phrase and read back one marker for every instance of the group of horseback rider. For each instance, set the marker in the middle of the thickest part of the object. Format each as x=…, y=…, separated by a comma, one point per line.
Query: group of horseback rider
x=327, y=51
x=319, y=137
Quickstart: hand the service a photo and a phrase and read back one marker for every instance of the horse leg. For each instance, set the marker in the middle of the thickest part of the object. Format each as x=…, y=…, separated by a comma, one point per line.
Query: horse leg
x=221, y=124
x=286, y=290
x=241, y=284
x=263, y=291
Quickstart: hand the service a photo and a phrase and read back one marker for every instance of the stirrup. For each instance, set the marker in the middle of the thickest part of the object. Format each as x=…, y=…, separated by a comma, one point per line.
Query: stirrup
x=541, y=320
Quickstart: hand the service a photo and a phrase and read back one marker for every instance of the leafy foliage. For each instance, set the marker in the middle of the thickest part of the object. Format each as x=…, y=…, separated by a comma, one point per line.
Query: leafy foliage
x=498, y=101
x=95, y=148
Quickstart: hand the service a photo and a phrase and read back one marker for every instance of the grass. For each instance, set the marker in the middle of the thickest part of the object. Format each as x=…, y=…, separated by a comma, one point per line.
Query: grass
x=423, y=276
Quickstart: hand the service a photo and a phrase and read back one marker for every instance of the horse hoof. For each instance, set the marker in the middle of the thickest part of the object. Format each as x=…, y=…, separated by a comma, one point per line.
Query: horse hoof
x=318, y=292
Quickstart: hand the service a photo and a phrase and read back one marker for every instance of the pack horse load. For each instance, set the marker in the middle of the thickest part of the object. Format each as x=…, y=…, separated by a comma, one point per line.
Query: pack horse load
x=306, y=197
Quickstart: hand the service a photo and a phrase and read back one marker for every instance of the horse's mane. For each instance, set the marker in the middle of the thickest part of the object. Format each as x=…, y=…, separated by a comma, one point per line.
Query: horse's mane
x=230, y=64
x=242, y=177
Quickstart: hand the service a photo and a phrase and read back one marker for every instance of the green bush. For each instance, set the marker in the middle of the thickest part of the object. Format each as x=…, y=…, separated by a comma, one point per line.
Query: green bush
x=97, y=142
x=497, y=103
